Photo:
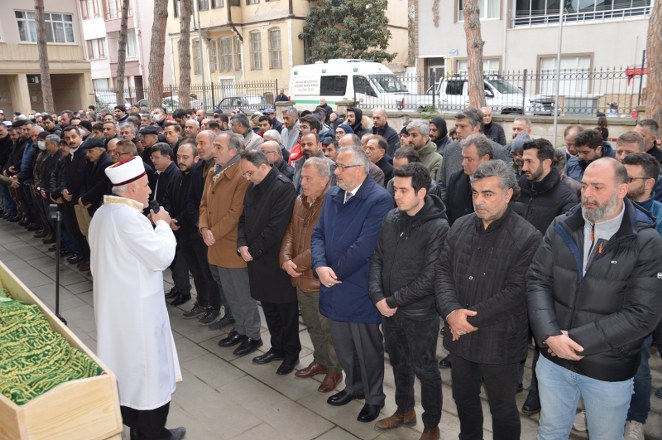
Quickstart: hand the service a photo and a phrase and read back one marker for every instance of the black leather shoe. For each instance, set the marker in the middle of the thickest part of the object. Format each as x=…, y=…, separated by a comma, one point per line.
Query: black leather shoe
x=180, y=299
x=267, y=357
x=48, y=240
x=520, y=388
x=75, y=259
x=287, y=367
x=445, y=362
x=83, y=266
x=172, y=293
x=177, y=433
x=247, y=346
x=369, y=412
x=232, y=339
x=33, y=227
x=531, y=404
x=342, y=398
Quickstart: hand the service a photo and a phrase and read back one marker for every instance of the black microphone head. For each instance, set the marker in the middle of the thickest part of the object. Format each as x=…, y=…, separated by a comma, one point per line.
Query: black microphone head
x=154, y=206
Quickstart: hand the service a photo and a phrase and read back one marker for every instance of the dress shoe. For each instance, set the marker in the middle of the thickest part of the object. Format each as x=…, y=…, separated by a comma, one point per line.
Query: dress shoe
x=220, y=323
x=369, y=412
x=247, y=346
x=286, y=367
x=531, y=404
x=14, y=219
x=83, y=266
x=398, y=419
x=445, y=362
x=430, y=434
x=63, y=252
x=311, y=370
x=330, y=382
x=342, y=398
x=267, y=357
x=75, y=259
x=41, y=234
x=172, y=293
x=233, y=338
x=180, y=299
x=23, y=221
x=33, y=227
x=177, y=433
x=48, y=240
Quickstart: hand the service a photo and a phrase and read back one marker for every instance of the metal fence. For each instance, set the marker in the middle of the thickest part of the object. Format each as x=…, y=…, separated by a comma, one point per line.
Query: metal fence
x=226, y=96
x=614, y=91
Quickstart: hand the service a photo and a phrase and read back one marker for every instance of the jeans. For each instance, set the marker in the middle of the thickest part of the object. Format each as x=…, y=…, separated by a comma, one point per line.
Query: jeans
x=606, y=403
x=640, y=403
x=500, y=385
x=9, y=206
x=411, y=344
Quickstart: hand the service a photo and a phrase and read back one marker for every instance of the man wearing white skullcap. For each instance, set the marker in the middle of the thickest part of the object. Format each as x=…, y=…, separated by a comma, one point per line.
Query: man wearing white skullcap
x=134, y=339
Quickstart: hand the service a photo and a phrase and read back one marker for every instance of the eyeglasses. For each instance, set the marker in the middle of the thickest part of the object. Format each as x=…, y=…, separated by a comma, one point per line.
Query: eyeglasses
x=630, y=179
x=344, y=167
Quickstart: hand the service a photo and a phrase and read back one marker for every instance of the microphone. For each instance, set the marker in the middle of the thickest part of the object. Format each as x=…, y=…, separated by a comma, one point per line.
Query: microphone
x=154, y=206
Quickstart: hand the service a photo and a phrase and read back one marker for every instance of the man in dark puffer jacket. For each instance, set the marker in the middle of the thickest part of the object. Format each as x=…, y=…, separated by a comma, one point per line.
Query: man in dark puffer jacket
x=401, y=283
x=593, y=295
x=481, y=288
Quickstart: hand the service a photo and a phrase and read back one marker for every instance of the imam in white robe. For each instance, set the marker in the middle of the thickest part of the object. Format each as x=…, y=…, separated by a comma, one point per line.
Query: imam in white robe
x=134, y=338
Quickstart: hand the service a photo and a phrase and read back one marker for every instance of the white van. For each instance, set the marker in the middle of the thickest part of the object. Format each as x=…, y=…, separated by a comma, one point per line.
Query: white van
x=500, y=95
x=370, y=83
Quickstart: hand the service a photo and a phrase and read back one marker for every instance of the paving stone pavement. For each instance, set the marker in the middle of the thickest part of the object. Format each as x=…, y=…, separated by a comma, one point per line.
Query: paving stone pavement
x=225, y=397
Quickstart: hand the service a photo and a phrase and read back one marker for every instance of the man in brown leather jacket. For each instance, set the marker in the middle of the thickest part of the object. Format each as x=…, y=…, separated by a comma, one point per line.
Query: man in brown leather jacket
x=295, y=259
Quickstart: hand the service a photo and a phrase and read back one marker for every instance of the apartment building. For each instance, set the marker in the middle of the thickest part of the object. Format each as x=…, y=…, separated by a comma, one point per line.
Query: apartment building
x=20, y=88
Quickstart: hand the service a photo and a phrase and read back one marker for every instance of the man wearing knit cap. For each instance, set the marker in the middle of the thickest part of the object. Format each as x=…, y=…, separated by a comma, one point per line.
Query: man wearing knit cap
x=134, y=338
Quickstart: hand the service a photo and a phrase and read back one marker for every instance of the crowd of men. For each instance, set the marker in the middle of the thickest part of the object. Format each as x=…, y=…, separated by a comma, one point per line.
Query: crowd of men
x=379, y=240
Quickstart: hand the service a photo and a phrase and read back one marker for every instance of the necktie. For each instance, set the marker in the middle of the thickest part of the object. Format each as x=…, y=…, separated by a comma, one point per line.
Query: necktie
x=348, y=195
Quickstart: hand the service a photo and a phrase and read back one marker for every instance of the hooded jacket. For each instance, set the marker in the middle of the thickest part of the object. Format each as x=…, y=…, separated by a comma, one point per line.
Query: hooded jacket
x=358, y=128
x=402, y=267
x=541, y=202
x=611, y=308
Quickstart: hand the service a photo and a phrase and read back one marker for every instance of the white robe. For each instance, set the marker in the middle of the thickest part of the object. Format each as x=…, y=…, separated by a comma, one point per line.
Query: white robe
x=134, y=338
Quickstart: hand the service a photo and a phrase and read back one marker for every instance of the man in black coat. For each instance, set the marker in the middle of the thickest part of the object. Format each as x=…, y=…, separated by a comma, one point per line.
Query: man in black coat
x=96, y=183
x=481, y=293
x=476, y=149
x=268, y=207
x=272, y=150
x=593, y=293
x=380, y=126
x=402, y=288
x=375, y=148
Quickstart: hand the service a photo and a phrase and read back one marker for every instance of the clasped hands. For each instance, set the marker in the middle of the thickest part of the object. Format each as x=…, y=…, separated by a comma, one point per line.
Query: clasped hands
x=457, y=321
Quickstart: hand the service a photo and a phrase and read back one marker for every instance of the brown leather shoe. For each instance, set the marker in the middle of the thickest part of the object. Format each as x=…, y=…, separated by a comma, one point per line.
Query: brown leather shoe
x=430, y=434
x=398, y=419
x=311, y=370
x=330, y=382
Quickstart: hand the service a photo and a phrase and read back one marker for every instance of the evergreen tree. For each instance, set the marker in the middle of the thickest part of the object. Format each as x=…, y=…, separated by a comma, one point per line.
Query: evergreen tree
x=347, y=29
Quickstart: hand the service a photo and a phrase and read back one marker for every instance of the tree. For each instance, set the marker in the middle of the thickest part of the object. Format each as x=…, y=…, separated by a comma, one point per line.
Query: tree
x=44, y=70
x=121, y=53
x=654, y=56
x=475, y=45
x=156, y=63
x=184, y=45
x=347, y=29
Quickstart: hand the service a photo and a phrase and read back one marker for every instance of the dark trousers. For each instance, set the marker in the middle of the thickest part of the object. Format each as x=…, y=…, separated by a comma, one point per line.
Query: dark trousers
x=193, y=250
x=411, y=344
x=360, y=350
x=179, y=270
x=283, y=324
x=149, y=423
x=70, y=222
x=500, y=385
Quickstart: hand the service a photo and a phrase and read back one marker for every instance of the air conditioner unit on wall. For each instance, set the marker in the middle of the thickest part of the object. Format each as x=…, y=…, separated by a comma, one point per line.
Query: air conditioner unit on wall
x=34, y=79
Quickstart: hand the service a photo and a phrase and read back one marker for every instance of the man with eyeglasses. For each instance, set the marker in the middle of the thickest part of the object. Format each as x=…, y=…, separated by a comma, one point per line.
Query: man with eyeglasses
x=342, y=243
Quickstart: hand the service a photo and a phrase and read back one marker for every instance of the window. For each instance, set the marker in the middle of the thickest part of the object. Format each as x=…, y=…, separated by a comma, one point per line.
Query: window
x=90, y=9
x=528, y=12
x=454, y=86
x=195, y=56
x=96, y=49
x=333, y=85
x=213, y=56
x=256, y=50
x=362, y=85
x=489, y=65
x=225, y=54
x=101, y=84
x=574, y=78
x=131, y=44
x=203, y=5
x=275, y=61
x=176, y=11
x=488, y=9
x=215, y=4
x=113, y=9
x=237, y=54
x=59, y=27
x=252, y=2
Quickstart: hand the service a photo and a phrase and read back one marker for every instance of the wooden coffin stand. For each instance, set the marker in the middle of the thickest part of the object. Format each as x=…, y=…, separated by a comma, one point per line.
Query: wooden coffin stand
x=84, y=409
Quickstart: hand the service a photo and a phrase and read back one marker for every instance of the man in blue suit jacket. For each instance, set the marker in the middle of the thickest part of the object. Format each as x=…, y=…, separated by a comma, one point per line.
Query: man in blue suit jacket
x=343, y=242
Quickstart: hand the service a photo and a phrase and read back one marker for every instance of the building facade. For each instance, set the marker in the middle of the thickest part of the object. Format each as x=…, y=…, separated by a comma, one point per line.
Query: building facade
x=20, y=88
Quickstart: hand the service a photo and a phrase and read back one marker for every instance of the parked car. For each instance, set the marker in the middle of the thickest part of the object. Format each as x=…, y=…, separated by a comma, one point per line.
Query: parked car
x=106, y=100
x=247, y=103
x=171, y=103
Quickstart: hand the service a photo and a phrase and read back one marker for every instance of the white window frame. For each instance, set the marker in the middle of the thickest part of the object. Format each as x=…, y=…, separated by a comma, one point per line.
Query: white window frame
x=484, y=6
x=255, y=49
x=275, y=58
